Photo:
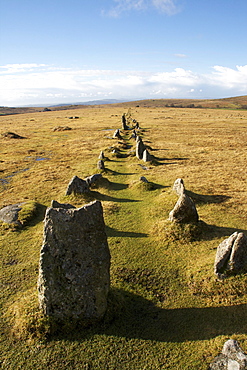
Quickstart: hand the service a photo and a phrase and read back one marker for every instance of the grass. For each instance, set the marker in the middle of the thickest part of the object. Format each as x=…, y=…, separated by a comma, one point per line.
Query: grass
x=166, y=309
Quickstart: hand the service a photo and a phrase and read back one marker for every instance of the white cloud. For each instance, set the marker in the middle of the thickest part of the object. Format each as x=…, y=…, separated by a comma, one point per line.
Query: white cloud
x=39, y=83
x=122, y=6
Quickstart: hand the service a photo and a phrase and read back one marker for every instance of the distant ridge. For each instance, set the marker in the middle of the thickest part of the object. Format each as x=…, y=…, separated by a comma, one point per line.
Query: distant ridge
x=238, y=102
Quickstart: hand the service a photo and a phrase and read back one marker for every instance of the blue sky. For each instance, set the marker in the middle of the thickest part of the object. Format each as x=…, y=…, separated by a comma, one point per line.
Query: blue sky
x=78, y=50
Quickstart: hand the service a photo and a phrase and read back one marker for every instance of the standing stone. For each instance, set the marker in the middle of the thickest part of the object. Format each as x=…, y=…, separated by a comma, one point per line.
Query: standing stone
x=140, y=147
x=231, y=255
x=178, y=186
x=101, y=156
x=93, y=179
x=146, y=156
x=232, y=357
x=184, y=211
x=117, y=134
x=77, y=186
x=74, y=276
x=124, y=124
x=101, y=164
x=134, y=135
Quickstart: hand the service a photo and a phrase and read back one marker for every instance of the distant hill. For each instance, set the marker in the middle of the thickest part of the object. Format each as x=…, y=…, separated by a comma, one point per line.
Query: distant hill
x=238, y=102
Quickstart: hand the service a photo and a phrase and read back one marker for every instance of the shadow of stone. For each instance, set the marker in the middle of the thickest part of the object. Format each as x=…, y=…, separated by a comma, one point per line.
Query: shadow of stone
x=199, y=198
x=118, y=186
x=209, y=232
x=105, y=197
x=134, y=317
x=119, y=233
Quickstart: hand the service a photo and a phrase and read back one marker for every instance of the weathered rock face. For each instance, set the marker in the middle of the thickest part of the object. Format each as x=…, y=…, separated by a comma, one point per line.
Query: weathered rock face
x=232, y=357
x=101, y=164
x=140, y=147
x=93, y=178
x=55, y=204
x=178, y=186
x=146, y=156
x=101, y=156
x=74, y=276
x=9, y=214
x=117, y=134
x=77, y=186
x=231, y=255
x=124, y=123
x=184, y=211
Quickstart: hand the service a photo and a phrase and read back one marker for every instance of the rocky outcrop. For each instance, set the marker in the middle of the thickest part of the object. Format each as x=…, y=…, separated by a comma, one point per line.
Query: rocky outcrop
x=74, y=276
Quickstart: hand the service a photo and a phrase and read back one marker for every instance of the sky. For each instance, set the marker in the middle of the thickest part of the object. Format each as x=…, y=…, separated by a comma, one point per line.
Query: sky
x=70, y=51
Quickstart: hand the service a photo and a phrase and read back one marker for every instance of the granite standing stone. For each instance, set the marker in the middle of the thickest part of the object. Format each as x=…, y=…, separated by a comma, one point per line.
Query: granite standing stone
x=231, y=255
x=178, y=186
x=77, y=186
x=184, y=211
x=74, y=276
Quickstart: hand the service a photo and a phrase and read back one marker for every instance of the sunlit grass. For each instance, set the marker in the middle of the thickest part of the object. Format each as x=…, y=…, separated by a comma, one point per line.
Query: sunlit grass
x=166, y=309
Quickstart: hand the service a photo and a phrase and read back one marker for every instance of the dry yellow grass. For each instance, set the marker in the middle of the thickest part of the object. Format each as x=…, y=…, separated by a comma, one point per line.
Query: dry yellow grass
x=150, y=262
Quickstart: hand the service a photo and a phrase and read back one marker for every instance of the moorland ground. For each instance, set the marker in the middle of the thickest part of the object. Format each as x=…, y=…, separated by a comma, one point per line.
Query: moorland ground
x=167, y=310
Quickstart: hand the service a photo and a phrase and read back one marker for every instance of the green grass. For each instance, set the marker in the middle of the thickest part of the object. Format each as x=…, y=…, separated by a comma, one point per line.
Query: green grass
x=166, y=309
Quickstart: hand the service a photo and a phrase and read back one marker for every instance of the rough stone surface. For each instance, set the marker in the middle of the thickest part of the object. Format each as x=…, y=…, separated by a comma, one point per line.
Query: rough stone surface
x=231, y=255
x=55, y=204
x=232, y=357
x=146, y=156
x=9, y=214
x=117, y=134
x=124, y=123
x=77, y=186
x=101, y=165
x=74, y=276
x=143, y=179
x=93, y=178
x=140, y=147
x=101, y=156
x=184, y=211
x=178, y=186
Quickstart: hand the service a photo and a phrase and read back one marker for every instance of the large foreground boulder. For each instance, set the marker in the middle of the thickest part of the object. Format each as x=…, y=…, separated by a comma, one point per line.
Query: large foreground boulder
x=74, y=276
x=232, y=357
x=184, y=211
x=231, y=255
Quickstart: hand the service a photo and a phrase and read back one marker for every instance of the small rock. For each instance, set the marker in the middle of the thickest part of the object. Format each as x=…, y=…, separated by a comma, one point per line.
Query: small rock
x=9, y=214
x=143, y=179
x=12, y=135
